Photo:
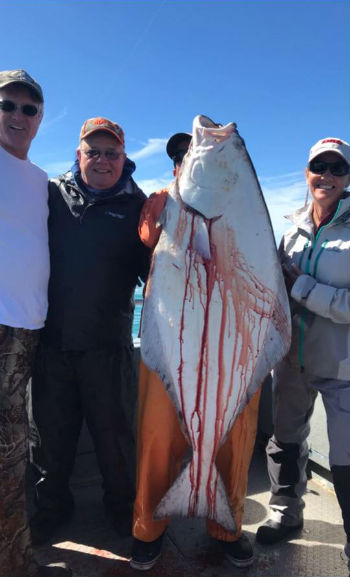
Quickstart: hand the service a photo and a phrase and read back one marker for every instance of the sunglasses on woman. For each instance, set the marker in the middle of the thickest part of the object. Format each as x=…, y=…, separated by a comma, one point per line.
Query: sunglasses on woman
x=26, y=109
x=338, y=168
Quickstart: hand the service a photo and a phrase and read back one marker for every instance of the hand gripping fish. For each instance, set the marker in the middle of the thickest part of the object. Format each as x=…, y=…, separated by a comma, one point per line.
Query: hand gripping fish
x=216, y=315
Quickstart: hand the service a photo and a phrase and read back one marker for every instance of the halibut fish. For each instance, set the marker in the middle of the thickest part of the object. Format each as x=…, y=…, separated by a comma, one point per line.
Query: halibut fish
x=216, y=316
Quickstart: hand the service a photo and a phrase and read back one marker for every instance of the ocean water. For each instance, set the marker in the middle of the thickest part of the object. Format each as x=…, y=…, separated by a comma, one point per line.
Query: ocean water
x=137, y=312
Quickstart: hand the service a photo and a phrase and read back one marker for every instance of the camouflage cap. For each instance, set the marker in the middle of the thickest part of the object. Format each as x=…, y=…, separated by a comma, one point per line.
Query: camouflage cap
x=20, y=77
x=95, y=124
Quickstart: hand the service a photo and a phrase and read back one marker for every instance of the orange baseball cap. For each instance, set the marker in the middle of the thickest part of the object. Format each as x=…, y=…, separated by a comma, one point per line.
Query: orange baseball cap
x=95, y=124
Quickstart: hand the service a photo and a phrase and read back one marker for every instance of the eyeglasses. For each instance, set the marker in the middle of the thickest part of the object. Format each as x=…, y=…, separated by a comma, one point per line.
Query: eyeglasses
x=26, y=109
x=339, y=168
x=108, y=154
x=179, y=156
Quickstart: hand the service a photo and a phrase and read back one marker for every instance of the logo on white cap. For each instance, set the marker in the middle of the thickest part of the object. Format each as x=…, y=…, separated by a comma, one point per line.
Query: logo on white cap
x=337, y=145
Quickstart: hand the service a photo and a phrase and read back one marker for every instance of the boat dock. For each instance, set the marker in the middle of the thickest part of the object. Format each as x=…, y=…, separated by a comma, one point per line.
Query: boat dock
x=93, y=549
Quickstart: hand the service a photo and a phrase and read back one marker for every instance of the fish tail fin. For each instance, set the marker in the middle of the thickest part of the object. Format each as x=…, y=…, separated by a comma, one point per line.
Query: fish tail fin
x=207, y=500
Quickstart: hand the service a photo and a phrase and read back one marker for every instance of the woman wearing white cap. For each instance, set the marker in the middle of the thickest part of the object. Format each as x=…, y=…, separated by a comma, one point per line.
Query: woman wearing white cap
x=315, y=260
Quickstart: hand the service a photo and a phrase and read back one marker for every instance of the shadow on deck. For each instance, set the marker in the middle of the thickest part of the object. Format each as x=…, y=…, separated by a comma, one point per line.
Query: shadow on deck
x=92, y=548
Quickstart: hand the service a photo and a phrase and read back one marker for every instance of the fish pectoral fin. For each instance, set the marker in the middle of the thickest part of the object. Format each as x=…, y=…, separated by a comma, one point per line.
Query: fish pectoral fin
x=186, y=500
x=201, y=242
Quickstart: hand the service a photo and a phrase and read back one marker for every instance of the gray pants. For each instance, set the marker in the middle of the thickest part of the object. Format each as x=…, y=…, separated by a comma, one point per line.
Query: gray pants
x=294, y=395
x=17, y=347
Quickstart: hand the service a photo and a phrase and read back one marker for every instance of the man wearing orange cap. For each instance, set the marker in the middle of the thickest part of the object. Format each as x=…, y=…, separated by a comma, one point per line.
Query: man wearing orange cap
x=84, y=366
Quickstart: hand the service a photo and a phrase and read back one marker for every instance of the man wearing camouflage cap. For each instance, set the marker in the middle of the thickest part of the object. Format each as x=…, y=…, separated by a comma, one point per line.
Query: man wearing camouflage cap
x=23, y=305
x=84, y=368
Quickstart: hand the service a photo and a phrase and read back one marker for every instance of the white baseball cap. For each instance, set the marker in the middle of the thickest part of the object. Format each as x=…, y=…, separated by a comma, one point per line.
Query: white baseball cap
x=330, y=144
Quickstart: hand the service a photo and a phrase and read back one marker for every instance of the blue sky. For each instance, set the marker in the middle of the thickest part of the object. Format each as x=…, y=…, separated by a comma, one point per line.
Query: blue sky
x=278, y=68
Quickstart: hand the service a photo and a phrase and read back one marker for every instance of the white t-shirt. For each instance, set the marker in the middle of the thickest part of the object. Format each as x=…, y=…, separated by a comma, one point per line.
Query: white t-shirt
x=24, y=251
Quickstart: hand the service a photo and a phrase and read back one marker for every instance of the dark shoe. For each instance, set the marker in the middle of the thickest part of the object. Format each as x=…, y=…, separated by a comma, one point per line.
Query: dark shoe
x=43, y=526
x=239, y=553
x=272, y=532
x=145, y=555
x=53, y=570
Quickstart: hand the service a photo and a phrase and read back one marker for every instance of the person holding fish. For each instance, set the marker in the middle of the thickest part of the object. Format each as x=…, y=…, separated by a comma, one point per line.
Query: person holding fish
x=315, y=259
x=167, y=447
x=85, y=366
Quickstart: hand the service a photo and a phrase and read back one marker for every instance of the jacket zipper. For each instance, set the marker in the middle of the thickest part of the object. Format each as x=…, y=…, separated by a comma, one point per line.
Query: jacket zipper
x=85, y=210
x=307, y=269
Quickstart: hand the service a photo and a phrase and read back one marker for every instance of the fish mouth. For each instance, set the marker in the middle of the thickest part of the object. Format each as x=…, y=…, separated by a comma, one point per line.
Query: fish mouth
x=205, y=178
x=207, y=122
x=217, y=131
x=194, y=211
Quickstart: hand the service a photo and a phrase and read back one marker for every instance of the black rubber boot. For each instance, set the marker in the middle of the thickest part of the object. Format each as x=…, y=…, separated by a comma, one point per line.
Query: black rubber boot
x=341, y=480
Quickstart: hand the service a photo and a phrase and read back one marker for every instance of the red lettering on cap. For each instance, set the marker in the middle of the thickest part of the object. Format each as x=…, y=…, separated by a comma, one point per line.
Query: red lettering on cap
x=98, y=121
x=331, y=140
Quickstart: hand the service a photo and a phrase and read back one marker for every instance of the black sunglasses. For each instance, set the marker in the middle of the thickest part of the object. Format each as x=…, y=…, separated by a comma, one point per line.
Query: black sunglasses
x=26, y=109
x=339, y=168
x=108, y=154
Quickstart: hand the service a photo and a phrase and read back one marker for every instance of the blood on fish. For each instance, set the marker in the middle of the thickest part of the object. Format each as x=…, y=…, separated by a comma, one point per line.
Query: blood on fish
x=225, y=316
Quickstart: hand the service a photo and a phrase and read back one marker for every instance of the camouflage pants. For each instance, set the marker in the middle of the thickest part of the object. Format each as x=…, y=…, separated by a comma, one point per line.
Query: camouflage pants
x=17, y=347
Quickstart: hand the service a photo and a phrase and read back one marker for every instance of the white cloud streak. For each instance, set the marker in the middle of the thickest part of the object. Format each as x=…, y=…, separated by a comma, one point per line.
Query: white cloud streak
x=151, y=148
x=46, y=124
x=283, y=194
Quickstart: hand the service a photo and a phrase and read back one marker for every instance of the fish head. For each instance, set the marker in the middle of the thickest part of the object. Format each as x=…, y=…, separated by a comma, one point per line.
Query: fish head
x=209, y=170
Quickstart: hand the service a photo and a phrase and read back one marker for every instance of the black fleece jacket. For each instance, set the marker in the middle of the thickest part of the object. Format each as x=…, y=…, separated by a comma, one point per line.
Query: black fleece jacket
x=96, y=261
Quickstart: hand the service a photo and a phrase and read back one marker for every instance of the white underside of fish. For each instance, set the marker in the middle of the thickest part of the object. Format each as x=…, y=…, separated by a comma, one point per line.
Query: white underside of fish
x=215, y=322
